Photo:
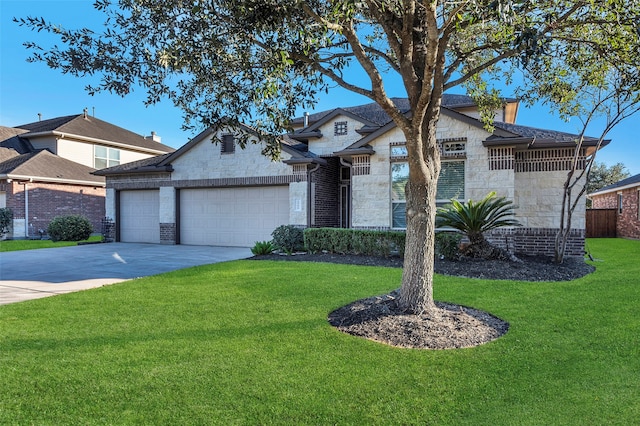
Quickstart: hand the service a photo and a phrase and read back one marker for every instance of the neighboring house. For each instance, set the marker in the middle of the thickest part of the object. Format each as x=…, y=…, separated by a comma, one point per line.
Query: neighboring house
x=343, y=168
x=624, y=197
x=46, y=168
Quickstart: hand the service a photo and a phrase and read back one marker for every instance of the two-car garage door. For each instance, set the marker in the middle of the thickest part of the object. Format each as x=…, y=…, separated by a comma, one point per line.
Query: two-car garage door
x=232, y=216
x=236, y=217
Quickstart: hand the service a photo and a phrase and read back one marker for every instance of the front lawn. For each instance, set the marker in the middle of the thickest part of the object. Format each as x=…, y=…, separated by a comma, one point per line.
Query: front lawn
x=247, y=342
x=15, y=245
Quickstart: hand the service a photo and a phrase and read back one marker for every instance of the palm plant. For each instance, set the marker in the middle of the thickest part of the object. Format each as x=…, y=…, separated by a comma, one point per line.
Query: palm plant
x=475, y=218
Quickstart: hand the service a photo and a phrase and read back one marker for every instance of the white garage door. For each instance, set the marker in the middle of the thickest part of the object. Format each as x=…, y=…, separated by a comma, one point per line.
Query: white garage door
x=140, y=216
x=233, y=217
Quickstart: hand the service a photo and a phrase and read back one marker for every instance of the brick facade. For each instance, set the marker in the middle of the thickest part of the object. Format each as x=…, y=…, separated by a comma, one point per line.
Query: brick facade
x=49, y=200
x=536, y=241
x=327, y=194
x=167, y=233
x=628, y=222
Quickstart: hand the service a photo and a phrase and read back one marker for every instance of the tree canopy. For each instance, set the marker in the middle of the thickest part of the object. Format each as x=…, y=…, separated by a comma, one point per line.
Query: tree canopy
x=257, y=61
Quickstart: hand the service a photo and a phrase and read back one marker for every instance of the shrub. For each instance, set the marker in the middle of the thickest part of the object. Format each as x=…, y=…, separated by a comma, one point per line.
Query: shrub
x=70, y=228
x=448, y=245
x=288, y=238
x=354, y=241
x=262, y=247
x=6, y=215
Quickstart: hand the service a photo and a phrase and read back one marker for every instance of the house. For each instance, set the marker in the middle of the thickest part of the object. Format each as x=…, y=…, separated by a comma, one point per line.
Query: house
x=46, y=168
x=345, y=167
x=624, y=197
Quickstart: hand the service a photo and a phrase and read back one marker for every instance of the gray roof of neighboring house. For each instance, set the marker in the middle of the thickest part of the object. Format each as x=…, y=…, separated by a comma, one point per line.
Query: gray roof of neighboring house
x=42, y=165
x=91, y=127
x=10, y=138
x=147, y=165
x=628, y=182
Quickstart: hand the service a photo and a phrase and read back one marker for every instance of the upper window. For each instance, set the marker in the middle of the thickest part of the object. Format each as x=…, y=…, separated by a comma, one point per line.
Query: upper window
x=104, y=157
x=450, y=185
x=340, y=128
x=228, y=145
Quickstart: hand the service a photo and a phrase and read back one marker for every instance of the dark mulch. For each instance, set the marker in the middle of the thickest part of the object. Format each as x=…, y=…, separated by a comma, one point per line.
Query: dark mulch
x=451, y=326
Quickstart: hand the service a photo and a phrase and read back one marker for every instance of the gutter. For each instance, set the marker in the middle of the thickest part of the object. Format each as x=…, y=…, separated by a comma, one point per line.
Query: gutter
x=62, y=135
x=52, y=180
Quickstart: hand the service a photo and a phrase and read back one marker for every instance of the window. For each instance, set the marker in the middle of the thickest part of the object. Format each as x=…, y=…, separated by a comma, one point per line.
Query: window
x=227, y=146
x=620, y=203
x=104, y=157
x=340, y=128
x=450, y=185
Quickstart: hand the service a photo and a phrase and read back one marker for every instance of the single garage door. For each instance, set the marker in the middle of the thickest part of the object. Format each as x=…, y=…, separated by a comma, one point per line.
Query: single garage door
x=232, y=217
x=140, y=216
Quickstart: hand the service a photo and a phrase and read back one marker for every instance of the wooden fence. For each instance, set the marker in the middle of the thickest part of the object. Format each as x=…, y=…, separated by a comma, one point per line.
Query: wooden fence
x=601, y=223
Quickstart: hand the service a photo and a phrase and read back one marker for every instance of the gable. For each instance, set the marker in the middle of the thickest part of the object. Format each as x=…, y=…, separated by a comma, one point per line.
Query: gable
x=204, y=159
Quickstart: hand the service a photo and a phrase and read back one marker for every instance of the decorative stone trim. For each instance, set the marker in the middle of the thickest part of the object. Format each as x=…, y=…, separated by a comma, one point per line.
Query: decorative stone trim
x=208, y=183
x=300, y=170
x=501, y=158
x=231, y=182
x=547, y=160
x=361, y=165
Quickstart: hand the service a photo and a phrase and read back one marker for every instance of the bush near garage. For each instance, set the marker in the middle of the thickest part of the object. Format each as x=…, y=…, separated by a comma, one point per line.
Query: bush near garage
x=288, y=238
x=6, y=215
x=70, y=228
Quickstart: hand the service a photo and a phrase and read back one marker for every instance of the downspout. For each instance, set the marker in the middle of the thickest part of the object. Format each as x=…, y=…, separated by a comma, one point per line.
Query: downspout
x=348, y=165
x=26, y=211
x=309, y=200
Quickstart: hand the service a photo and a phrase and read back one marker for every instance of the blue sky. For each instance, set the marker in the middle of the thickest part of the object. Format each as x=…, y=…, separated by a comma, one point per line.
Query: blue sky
x=28, y=89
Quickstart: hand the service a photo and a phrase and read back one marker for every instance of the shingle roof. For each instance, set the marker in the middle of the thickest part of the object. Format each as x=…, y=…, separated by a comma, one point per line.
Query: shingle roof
x=10, y=138
x=95, y=128
x=147, y=164
x=373, y=112
x=630, y=181
x=534, y=132
x=43, y=165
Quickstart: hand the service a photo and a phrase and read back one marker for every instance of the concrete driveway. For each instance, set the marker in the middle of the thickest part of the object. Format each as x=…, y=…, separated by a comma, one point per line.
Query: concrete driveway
x=32, y=274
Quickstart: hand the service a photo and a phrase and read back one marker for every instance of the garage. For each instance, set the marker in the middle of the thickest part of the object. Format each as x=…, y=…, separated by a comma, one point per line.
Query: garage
x=233, y=217
x=139, y=220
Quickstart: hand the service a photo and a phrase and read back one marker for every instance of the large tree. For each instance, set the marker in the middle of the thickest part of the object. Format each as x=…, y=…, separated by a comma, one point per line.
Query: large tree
x=257, y=61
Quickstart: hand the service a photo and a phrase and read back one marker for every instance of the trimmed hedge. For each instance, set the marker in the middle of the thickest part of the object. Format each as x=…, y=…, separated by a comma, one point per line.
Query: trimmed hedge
x=354, y=241
x=69, y=228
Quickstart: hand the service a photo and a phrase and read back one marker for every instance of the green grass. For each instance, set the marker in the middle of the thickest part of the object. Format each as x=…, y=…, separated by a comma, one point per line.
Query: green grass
x=15, y=245
x=247, y=342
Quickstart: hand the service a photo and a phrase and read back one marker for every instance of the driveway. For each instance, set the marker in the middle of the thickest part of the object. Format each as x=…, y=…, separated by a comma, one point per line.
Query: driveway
x=32, y=274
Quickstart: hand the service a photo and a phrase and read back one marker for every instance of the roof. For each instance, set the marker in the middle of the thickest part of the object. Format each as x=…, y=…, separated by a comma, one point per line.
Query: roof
x=630, y=182
x=539, y=138
x=42, y=165
x=86, y=126
x=10, y=138
x=147, y=165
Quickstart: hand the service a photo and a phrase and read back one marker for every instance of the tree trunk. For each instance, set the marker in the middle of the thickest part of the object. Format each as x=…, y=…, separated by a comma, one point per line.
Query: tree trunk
x=416, y=292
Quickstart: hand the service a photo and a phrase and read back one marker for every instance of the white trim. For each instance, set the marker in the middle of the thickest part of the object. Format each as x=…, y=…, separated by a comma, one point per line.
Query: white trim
x=31, y=179
x=62, y=135
x=616, y=189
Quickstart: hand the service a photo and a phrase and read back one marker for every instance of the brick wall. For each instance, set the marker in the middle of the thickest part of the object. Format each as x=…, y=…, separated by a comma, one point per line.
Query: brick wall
x=628, y=222
x=167, y=233
x=48, y=200
x=536, y=241
x=327, y=194
x=605, y=201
